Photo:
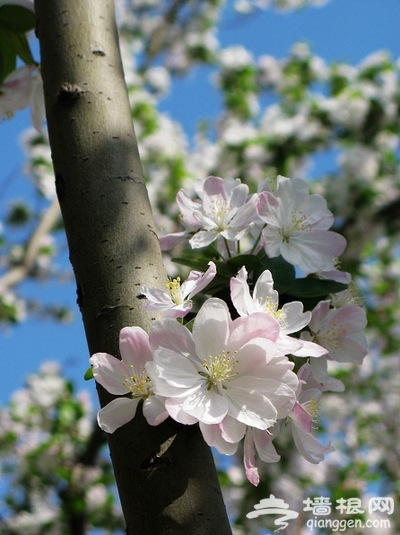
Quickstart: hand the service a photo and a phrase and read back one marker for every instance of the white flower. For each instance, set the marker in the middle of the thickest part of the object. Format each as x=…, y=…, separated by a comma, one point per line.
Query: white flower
x=225, y=210
x=235, y=57
x=340, y=331
x=297, y=226
x=304, y=414
x=224, y=368
x=20, y=89
x=158, y=78
x=290, y=317
x=127, y=376
x=175, y=301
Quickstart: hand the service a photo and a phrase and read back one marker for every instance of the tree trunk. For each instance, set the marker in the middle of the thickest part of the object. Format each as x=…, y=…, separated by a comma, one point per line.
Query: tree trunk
x=165, y=475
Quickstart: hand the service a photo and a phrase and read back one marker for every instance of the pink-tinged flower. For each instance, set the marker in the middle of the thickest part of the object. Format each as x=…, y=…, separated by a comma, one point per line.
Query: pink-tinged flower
x=224, y=368
x=340, y=331
x=260, y=442
x=127, y=376
x=22, y=88
x=225, y=210
x=322, y=379
x=297, y=226
x=304, y=414
x=225, y=436
x=265, y=299
x=175, y=301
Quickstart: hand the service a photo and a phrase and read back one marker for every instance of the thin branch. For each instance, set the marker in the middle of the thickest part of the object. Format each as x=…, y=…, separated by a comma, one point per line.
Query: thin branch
x=18, y=273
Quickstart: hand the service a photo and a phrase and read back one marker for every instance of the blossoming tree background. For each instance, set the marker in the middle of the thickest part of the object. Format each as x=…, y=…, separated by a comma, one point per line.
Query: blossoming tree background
x=333, y=125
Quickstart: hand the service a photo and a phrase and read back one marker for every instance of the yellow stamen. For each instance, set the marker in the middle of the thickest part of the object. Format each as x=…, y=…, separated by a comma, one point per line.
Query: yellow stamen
x=298, y=224
x=271, y=307
x=138, y=384
x=219, y=369
x=174, y=288
x=312, y=407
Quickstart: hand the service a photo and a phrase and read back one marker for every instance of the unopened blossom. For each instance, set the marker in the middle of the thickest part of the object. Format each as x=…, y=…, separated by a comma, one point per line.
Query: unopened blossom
x=297, y=226
x=176, y=300
x=304, y=417
x=127, y=376
x=265, y=299
x=223, y=368
x=224, y=210
x=22, y=88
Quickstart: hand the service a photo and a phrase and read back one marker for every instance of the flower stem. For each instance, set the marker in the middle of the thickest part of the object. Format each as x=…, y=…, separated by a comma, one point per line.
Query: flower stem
x=257, y=240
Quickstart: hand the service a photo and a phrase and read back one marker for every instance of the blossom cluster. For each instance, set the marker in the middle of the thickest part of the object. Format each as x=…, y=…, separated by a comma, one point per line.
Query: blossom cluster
x=252, y=359
x=45, y=460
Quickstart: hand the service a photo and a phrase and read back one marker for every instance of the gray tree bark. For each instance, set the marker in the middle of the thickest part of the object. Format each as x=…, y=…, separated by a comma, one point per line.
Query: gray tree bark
x=165, y=475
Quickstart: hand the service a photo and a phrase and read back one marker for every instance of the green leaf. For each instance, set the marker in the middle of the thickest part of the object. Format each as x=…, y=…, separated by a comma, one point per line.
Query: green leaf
x=250, y=261
x=21, y=47
x=189, y=324
x=201, y=264
x=283, y=273
x=88, y=374
x=8, y=56
x=17, y=18
x=310, y=287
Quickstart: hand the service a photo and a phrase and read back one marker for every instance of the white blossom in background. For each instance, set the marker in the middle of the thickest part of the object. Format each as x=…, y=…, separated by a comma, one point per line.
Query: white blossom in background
x=158, y=79
x=45, y=388
x=13, y=306
x=249, y=6
x=348, y=109
x=235, y=57
x=39, y=165
x=276, y=124
x=236, y=133
x=360, y=162
x=31, y=522
x=269, y=71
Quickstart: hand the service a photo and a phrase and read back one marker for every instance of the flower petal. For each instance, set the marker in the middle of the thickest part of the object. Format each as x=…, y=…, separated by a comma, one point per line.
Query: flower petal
x=207, y=406
x=211, y=328
x=154, y=410
x=110, y=372
x=240, y=293
x=250, y=458
x=176, y=371
x=117, y=413
x=213, y=437
x=172, y=335
x=310, y=448
x=134, y=346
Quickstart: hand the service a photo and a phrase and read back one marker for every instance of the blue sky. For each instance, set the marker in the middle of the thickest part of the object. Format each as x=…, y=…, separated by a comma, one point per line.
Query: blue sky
x=343, y=30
